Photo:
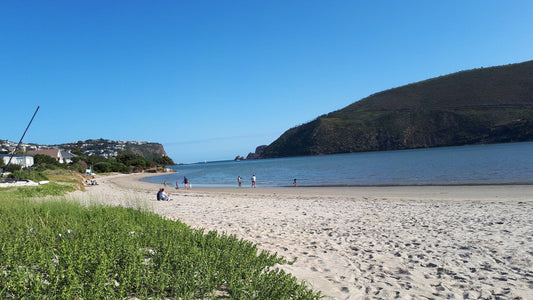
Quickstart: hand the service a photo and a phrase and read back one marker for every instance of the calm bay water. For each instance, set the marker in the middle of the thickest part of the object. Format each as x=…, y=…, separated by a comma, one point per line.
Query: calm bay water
x=481, y=164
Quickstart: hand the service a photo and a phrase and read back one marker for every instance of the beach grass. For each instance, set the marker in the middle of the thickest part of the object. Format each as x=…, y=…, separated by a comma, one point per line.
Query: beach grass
x=69, y=177
x=55, y=248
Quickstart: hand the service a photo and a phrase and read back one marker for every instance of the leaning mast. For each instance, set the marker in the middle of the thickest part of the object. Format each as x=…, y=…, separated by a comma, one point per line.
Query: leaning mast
x=20, y=142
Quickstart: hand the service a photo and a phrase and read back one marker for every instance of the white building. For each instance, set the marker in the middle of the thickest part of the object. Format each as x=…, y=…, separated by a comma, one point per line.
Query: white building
x=23, y=160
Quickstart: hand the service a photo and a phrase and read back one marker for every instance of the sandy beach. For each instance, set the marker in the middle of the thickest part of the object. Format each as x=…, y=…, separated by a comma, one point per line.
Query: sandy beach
x=417, y=242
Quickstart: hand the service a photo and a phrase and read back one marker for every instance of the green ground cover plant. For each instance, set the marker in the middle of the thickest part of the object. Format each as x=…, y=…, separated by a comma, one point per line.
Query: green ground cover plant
x=29, y=175
x=64, y=250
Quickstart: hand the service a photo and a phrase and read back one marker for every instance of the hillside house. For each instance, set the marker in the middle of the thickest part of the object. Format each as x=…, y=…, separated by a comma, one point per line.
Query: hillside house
x=23, y=160
x=67, y=156
x=55, y=153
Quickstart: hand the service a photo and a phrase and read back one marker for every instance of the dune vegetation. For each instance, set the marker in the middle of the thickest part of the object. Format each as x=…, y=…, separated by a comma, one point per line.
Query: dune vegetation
x=54, y=248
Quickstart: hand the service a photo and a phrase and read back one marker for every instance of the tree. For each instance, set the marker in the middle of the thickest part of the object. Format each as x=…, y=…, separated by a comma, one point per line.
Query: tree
x=118, y=166
x=94, y=159
x=80, y=166
x=76, y=150
x=163, y=160
x=103, y=167
x=77, y=159
x=12, y=168
x=44, y=159
x=133, y=160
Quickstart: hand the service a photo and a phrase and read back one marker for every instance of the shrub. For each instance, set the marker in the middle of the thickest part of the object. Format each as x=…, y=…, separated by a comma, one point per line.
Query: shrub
x=44, y=166
x=164, y=160
x=44, y=159
x=12, y=168
x=119, y=167
x=80, y=166
x=59, y=249
x=103, y=167
x=29, y=175
x=133, y=160
x=43, y=190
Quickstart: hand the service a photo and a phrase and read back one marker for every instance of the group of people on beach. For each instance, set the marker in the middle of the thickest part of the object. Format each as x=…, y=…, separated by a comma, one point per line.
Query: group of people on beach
x=91, y=182
x=186, y=183
x=162, y=195
x=239, y=180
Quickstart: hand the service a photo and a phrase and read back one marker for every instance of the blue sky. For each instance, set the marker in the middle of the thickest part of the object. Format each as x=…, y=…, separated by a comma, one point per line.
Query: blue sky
x=214, y=79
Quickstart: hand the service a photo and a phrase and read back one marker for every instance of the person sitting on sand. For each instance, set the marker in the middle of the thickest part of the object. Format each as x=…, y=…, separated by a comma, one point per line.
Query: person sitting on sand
x=164, y=195
x=159, y=194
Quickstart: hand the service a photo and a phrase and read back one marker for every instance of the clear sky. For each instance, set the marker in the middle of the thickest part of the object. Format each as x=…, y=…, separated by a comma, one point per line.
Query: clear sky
x=212, y=79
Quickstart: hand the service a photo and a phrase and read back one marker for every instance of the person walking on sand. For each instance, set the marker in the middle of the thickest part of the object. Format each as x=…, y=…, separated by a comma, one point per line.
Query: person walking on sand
x=239, y=180
x=253, y=180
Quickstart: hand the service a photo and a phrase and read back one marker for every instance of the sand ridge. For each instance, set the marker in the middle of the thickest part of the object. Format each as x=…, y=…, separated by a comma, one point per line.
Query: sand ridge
x=460, y=242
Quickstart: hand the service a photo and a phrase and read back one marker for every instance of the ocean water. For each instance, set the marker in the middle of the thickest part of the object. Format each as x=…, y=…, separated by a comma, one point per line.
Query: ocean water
x=510, y=163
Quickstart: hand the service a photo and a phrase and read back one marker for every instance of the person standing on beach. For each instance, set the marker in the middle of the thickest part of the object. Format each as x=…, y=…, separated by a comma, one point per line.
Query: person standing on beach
x=186, y=182
x=294, y=182
x=253, y=180
x=239, y=180
x=177, y=186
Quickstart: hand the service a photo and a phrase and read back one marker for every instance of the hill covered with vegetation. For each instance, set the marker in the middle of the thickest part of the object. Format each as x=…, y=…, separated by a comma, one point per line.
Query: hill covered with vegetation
x=110, y=148
x=480, y=106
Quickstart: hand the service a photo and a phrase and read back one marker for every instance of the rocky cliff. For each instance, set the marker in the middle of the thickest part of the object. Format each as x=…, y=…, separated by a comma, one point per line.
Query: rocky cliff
x=148, y=150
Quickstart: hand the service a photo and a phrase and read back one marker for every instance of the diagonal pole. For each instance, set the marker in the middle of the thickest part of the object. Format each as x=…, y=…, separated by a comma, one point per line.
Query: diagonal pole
x=18, y=145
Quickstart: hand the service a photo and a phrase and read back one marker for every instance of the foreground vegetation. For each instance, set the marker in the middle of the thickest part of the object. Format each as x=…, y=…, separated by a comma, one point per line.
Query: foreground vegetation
x=60, y=249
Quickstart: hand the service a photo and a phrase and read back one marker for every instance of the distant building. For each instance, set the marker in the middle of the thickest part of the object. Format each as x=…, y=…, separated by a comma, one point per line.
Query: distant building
x=67, y=156
x=55, y=153
x=23, y=160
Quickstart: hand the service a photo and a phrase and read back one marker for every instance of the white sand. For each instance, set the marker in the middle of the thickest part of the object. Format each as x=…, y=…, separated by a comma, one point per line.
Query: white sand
x=461, y=242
